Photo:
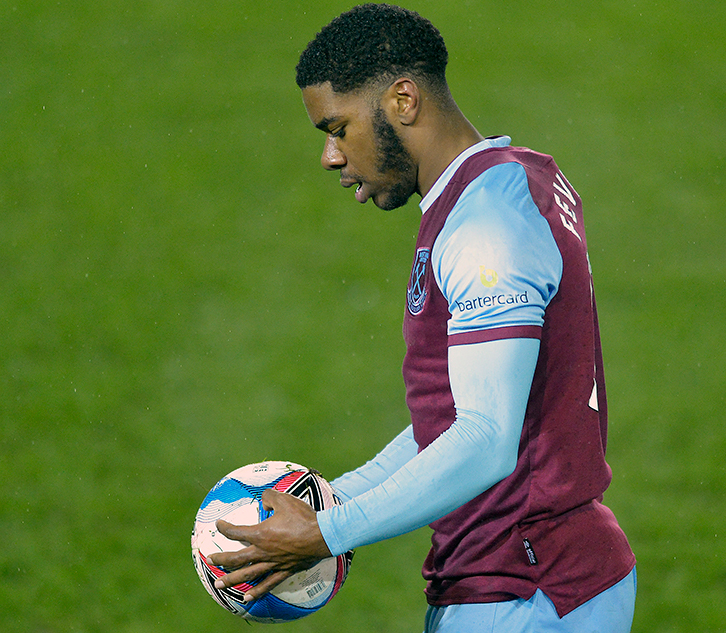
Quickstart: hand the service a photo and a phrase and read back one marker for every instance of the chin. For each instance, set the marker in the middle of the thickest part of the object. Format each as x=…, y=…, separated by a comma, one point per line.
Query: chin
x=389, y=204
x=395, y=198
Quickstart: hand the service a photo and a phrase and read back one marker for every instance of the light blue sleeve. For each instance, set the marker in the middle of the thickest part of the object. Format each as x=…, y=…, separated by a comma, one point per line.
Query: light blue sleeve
x=400, y=450
x=495, y=259
x=490, y=383
x=497, y=263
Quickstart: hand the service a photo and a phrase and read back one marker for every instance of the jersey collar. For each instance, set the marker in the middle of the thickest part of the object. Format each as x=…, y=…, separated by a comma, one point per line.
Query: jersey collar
x=443, y=179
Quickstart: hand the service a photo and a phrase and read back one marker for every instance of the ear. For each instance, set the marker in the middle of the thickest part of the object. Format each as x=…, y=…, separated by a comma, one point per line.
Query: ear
x=406, y=98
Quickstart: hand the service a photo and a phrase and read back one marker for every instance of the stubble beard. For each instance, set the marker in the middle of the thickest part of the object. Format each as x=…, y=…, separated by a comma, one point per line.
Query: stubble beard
x=394, y=161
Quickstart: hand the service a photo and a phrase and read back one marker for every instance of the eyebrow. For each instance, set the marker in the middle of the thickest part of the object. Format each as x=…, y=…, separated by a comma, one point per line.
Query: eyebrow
x=324, y=124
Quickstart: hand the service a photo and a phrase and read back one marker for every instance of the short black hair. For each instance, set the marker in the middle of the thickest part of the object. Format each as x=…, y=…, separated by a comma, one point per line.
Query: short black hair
x=372, y=42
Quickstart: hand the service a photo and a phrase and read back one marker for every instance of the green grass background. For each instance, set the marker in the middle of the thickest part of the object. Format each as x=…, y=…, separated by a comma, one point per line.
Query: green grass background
x=183, y=290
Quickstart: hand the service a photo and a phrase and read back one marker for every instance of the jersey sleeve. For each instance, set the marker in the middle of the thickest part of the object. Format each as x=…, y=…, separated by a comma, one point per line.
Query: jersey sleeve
x=495, y=259
x=375, y=471
x=486, y=432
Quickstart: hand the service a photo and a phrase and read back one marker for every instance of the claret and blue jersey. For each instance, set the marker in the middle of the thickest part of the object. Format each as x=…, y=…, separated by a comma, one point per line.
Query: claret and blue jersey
x=500, y=267
x=504, y=382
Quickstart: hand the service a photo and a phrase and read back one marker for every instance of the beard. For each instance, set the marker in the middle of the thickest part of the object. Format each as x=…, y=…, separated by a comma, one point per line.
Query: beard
x=394, y=161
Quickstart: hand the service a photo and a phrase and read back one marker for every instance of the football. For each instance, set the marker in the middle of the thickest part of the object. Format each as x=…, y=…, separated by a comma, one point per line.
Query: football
x=236, y=498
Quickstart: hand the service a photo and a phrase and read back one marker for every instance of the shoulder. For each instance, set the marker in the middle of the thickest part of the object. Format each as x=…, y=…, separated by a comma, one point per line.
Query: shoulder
x=496, y=252
x=494, y=214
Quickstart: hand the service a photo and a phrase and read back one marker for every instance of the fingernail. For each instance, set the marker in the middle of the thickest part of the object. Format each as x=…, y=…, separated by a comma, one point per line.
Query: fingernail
x=218, y=584
x=247, y=598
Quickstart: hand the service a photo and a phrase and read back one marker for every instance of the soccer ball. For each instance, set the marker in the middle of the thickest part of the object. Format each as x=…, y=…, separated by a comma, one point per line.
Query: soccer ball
x=237, y=499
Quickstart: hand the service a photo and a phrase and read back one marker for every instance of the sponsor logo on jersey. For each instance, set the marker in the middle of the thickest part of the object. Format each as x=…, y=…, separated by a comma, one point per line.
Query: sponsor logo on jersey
x=416, y=295
x=489, y=277
x=491, y=301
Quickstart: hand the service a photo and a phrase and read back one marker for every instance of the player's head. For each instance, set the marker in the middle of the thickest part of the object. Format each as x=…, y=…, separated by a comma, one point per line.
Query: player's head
x=353, y=75
x=374, y=44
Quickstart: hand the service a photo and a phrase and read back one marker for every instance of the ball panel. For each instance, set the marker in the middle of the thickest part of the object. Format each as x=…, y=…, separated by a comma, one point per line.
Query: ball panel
x=209, y=540
x=311, y=588
x=231, y=598
x=270, y=609
x=237, y=499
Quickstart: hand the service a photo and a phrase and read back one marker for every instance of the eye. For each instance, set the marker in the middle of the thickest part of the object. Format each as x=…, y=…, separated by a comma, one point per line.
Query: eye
x=339, y=133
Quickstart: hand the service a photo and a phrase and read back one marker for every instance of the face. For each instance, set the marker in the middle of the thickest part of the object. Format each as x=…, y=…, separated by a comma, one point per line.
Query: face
x=363, y=145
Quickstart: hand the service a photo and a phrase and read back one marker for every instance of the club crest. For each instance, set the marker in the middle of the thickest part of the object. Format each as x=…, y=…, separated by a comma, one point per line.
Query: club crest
x=416, y=295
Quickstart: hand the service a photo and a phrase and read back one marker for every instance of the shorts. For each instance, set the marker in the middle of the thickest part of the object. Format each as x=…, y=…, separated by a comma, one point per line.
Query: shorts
x=609, y=612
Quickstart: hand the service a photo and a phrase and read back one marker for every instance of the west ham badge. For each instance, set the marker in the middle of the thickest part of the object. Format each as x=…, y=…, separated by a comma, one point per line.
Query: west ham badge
x=416, y=295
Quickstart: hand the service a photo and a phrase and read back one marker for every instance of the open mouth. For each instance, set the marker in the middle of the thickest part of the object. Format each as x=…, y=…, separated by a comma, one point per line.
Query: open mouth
x=361, y=194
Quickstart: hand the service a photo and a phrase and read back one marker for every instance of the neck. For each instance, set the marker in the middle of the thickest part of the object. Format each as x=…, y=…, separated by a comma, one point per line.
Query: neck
x=449, y=135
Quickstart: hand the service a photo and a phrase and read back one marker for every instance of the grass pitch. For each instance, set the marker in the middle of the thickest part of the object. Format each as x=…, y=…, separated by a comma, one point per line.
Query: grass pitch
x=186, y=291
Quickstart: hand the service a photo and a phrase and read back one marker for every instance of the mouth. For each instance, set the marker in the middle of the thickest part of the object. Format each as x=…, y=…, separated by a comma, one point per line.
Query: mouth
x=360, y=194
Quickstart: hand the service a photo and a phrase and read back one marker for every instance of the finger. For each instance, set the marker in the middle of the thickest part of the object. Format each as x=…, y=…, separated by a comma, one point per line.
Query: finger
x=271, y=498
x=266, y=585
x=235, y=532
x=232, y=560
x=247, y=574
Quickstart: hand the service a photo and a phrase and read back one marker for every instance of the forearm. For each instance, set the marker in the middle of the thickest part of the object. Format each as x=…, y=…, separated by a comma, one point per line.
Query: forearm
x=407, y=500
x=374, y=472
x=490, y=383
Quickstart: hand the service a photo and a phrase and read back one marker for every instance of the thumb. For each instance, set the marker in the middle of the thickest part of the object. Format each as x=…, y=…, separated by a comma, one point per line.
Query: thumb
x=233, y=532
x=271, y=499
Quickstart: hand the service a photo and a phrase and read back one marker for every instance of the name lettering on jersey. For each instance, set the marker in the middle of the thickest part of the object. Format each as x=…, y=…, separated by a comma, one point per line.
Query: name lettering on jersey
x=593, y=403
x=492, y=301
x=567, y=215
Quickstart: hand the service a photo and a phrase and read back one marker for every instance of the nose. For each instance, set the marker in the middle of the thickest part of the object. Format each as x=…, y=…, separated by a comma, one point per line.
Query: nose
x=332, y=157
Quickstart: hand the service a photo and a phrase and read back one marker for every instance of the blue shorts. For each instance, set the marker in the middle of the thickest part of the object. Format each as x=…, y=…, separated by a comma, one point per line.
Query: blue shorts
x=609, y=612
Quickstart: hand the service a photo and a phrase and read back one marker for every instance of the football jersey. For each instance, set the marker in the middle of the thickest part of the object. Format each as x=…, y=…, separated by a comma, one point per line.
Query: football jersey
x=501, y=253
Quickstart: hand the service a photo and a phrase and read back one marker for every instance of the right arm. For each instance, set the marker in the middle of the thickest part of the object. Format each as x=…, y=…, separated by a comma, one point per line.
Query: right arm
x=374, y=472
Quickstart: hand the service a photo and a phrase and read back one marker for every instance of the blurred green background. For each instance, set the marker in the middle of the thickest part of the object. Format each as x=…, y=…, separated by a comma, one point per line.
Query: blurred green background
x=184, y=290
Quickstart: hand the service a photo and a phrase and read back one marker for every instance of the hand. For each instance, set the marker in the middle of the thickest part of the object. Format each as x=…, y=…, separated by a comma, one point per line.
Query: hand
x=288, y=542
